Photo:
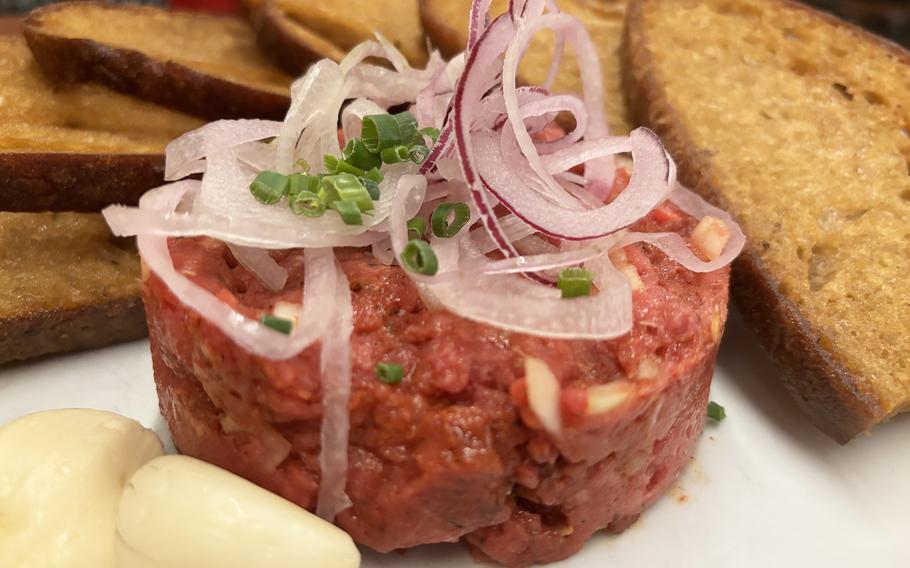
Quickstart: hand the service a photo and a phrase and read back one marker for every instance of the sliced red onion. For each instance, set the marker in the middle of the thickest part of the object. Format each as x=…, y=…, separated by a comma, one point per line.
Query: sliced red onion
x=477, y=21
x=565, y=159
x=479, y=76
x=184, y=156
x=677, y=248
x=649, y=186
x=517, y=304
x=258, y=262
x=592, y=82
x=335, y=363
x=533, y=263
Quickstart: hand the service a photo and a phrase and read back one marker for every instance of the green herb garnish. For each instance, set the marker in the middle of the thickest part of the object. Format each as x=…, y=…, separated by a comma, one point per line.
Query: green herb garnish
x=269, y=187
x=417, y=228
x=390, y=373
x=350, y=184
x=307, y=203
x=440, y=223
x=281, y=325
x=575, y=282
x=716, y=412
x=418, y=257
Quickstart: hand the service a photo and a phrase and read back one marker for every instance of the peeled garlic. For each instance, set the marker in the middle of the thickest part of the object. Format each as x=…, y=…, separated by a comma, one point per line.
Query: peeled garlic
x=179, y=512
x=61, y=475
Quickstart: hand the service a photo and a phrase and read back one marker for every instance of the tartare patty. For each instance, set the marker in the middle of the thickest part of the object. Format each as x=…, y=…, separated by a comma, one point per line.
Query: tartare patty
x=454, y=451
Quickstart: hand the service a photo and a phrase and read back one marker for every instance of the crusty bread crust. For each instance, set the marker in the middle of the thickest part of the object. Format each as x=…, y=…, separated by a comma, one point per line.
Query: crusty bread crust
x=446, y=37
x=292, y=47
x=135, y=73
x=48, y=181
x=824, y=387
x=57, y=331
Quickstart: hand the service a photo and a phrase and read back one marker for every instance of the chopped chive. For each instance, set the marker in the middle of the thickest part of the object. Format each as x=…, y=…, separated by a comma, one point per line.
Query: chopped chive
x=407, y=126
x=334, y=165
x=356, y=154
x=374, y=174
x=372, y=188
x=307, y=203
x=716, y=412
x=281, y=325
x=429, y=131
x=302, y=182
x=418, y=257
x=439, y=220
x=349, y=188
x=417, y=228
x=395, y=154
x=269, y=187
x=349, y=212
x=575, y=282
x=418, y=153
x=380, y=131
x=390, y=373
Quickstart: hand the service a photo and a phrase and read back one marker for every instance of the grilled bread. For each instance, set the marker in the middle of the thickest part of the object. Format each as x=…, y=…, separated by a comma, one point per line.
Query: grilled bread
x=799, y=125
x=67, y=285
x=204, y=65
x=79, y=148
x=446, y=24
x=298, y=32
x=290, y=44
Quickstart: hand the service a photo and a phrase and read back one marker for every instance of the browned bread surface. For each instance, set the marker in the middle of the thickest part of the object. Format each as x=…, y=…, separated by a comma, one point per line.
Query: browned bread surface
x=797, y=123
x=446, y=24
x=292, y=46
x=67, y=285
x=201, y=64
x=75, y=148
x=346, y=24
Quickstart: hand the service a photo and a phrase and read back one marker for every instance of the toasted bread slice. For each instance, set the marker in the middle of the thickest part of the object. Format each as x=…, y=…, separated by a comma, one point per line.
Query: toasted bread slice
x=78, y=148
x=796, y=123
x=204, y=65
x=446, y=23
x=327, y=28
x=292, y=46
x=67, y=285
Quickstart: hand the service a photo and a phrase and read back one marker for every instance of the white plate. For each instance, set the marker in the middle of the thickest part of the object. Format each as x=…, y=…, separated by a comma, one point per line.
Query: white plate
x=765, y=489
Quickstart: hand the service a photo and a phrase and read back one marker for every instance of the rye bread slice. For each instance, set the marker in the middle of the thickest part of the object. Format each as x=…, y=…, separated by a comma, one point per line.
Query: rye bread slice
x=68, y=284
x=291, y=45
x=446, y=24
x=201, y=64
x=796, y=123
x=77, y=148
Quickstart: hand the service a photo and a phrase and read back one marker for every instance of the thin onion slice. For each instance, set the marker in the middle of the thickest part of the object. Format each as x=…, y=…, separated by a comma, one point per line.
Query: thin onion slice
x=258, y=262
x=335, y=362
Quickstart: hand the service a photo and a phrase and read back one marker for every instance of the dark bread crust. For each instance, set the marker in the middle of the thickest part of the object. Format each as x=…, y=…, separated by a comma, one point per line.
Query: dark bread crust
x=48, y=181
x=287, y=44
x=56, y=331
x=135, y=73
x=445, y=37
x=829, y=392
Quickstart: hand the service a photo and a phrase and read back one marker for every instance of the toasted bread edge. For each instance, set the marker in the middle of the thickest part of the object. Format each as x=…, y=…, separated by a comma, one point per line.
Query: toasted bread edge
x=134, y=73
x=291, y=47
x=49, y=181
x=447, y=39
x=59, y=331
x=824, y=388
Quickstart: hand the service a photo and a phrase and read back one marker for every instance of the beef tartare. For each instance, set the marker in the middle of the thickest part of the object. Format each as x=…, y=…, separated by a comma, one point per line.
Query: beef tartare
x=453, y=451
x=464, y=323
